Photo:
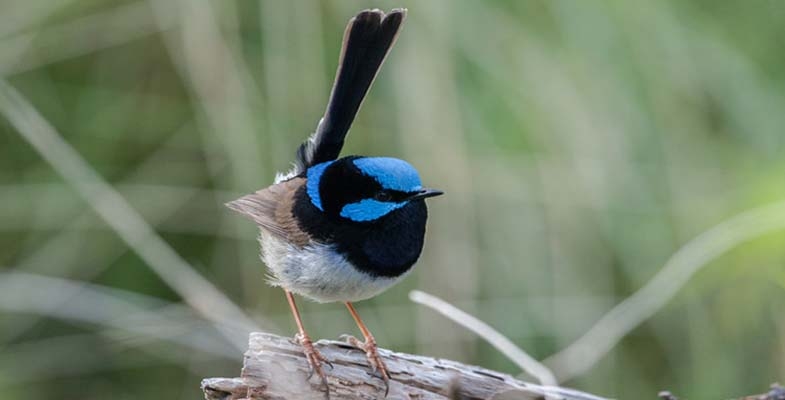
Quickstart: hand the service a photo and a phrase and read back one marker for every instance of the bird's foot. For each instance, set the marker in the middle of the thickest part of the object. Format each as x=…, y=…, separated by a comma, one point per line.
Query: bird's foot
x=372, y=354
x=315, y=360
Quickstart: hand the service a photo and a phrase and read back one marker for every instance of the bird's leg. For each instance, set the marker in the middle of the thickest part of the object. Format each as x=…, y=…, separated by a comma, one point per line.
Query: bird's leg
x=369, y=346
x=311, y=354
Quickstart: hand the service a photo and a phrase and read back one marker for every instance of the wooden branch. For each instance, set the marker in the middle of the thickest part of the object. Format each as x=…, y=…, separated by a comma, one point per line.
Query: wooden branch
x=275, y=368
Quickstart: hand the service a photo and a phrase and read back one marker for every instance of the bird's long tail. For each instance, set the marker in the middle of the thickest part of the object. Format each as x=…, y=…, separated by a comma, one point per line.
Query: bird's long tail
x=366, y=42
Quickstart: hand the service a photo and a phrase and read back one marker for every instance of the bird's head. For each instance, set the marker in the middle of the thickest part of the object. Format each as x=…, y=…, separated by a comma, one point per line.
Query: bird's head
x=364, y=189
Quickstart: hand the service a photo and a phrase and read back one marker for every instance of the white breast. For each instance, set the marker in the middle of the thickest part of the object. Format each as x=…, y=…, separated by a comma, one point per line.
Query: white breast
x=318, y=272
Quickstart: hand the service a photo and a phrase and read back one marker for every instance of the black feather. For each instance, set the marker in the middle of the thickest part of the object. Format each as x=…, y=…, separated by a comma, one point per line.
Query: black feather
x=366, y=42
x=387, y=247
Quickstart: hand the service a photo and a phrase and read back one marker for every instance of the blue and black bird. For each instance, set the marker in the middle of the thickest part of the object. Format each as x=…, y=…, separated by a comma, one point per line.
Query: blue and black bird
x=343, y=229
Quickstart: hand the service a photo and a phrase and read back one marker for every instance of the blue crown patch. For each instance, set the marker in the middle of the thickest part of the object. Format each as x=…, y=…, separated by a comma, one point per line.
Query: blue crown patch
x=391, y=173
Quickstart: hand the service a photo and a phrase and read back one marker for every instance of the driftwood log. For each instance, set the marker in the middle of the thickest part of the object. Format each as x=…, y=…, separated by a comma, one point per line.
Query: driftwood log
x=275, y=368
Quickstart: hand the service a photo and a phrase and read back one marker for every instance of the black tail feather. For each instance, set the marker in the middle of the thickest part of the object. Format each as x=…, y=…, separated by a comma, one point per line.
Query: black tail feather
x=366, y=42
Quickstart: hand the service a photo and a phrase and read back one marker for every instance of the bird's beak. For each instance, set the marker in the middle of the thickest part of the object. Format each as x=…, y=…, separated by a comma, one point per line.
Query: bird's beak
x=425, y=193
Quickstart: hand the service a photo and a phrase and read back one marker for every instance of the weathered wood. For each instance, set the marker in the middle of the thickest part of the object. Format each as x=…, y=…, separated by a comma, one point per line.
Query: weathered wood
x=275, y=368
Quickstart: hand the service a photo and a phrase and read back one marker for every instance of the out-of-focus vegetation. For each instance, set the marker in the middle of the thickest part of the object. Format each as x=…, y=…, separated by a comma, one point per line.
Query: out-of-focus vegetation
x=580, y=145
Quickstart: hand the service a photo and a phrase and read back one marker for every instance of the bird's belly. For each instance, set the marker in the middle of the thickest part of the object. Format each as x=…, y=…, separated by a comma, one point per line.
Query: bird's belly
x=318, y=272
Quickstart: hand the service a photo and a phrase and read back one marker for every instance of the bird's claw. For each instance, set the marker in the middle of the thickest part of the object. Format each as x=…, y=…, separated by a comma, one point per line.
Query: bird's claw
x=372, y=354
x=315, y=360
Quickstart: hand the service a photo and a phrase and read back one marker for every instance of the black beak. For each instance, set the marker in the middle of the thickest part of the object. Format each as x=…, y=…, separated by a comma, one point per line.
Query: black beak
x=425, y=193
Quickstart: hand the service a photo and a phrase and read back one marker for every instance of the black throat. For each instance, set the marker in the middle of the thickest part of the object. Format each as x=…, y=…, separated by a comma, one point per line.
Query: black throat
x=386, y=247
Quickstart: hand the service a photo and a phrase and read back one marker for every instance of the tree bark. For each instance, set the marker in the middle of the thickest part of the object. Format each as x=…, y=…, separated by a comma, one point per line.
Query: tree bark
x=275, y=368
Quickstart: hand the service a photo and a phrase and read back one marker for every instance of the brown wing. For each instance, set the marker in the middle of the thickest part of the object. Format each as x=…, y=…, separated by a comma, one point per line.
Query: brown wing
x=271, y=209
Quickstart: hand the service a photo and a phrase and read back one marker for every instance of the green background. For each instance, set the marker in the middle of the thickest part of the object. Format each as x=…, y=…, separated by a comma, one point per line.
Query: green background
x=580, y=144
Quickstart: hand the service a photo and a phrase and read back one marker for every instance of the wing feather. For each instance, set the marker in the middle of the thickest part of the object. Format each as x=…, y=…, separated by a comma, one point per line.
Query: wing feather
x=271, y=209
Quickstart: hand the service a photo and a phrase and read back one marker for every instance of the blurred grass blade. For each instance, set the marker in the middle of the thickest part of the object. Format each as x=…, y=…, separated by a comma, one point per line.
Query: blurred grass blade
x=126, y=222
x=492, y=336
x=146, y=318
x=29, y=50
x=60, y=254
x=581, y=355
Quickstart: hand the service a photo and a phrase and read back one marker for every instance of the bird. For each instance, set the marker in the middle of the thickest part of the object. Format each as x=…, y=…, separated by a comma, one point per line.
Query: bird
x=342, y=229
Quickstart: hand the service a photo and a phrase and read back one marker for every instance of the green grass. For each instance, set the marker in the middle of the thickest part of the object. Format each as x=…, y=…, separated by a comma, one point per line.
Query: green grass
x=580, y=146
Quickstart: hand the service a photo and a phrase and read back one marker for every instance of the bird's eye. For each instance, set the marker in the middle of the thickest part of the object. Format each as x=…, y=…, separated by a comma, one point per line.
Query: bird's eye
x=382, y=196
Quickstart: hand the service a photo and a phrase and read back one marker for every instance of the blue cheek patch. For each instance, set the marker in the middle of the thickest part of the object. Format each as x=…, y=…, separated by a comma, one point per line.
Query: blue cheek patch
x=314, y=176
x=368, y=210
x=391, y=173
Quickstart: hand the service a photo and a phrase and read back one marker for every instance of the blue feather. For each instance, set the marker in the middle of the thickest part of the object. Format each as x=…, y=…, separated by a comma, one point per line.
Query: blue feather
x=312, y=186
x=369, y=209
x=391, y=173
